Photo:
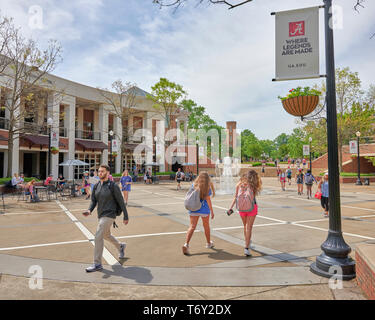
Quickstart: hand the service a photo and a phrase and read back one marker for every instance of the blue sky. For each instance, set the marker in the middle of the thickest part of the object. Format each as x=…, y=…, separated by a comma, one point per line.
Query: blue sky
x=223, y=58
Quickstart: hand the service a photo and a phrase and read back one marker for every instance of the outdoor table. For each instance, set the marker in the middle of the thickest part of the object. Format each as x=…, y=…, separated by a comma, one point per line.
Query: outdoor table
x=41, y=188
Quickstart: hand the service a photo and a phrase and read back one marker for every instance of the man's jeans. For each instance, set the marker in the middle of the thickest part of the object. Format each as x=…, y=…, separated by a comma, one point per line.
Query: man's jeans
x=104, y=232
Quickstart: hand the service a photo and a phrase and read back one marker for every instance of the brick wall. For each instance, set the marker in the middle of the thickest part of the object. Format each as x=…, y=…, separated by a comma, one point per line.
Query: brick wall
x=366, y=166
x=365, y=276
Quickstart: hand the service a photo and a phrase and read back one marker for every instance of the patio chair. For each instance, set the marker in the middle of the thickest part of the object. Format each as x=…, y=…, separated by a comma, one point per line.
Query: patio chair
x=65, y=192
x=51, y=192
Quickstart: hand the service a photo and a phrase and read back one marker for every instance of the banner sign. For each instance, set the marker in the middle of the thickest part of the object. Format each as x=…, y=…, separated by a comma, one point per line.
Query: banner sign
x=353, y=146
x=306, y=150
x=115, y=146
x=297, y=44
x=54, y=138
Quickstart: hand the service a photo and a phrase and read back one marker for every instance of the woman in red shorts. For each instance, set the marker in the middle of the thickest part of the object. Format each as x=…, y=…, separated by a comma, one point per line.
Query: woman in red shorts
x=252, y=183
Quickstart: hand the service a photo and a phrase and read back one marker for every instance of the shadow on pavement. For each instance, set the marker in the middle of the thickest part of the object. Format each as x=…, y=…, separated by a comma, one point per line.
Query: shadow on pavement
x=139, y=274
x=219, y=254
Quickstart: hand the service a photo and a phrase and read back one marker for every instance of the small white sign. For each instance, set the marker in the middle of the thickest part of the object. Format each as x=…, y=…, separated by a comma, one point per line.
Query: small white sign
x=306, y=150
x=353, y=146
x=54, y=138
x=115, y=146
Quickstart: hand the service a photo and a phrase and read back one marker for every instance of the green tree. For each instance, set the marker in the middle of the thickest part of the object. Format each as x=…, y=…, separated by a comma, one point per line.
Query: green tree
x=166, y=96
x=295, y=143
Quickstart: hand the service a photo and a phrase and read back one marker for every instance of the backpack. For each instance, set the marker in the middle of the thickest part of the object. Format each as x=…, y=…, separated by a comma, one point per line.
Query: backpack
x=192, y=199
x=300, y=178
x=111, y=186
x=309, y=179
x=245, y=200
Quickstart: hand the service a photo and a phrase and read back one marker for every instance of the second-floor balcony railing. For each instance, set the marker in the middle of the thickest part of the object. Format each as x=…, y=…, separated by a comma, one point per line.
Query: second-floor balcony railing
x=32, y=128
x=4, y=123
x=87, y=134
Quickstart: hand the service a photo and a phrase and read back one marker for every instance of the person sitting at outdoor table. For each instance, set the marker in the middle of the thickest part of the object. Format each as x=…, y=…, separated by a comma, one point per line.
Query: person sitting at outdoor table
x=30, y=190
x=16, y=181
x=48, y=180
x=60, y=181
x=86, y=184
x=22, y=179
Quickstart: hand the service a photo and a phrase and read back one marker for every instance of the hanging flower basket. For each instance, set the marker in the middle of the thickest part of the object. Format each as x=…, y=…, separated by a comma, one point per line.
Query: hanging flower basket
x=300, y=102
x=114, y=154
x=54, y=150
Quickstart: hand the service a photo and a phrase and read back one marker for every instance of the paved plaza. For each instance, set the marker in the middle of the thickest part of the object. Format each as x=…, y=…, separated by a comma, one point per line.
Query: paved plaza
x=287, y=235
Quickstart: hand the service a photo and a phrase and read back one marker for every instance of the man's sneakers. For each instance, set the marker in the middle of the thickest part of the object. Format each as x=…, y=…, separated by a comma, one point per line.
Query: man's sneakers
x=247, y=252
x=94, y=267
x=122, y=251
x=210, y=245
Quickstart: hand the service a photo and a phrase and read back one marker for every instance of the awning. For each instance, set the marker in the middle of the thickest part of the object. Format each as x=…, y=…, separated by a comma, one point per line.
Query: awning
x=39, y=140
x=93, y=145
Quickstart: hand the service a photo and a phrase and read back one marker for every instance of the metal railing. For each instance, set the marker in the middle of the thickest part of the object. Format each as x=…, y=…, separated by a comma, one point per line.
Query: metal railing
x=88, y=135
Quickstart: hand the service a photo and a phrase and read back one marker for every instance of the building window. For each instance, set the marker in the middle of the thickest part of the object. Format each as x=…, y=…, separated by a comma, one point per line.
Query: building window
x=93, y=159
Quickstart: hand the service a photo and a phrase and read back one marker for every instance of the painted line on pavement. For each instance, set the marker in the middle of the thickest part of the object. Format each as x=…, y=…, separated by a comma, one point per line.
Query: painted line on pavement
x=106, y=254
x=126, y=237
x=326, y=230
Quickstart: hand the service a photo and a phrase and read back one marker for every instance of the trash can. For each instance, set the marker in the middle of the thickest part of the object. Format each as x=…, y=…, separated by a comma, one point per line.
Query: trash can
x=367, y=182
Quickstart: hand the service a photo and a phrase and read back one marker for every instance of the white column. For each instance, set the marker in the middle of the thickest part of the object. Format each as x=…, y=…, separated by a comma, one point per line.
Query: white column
x=69, y=123
x=117, y=128
x=160, y=132
x=147, y=124
x=53, y=107
x=16, y=144
x=103, y=128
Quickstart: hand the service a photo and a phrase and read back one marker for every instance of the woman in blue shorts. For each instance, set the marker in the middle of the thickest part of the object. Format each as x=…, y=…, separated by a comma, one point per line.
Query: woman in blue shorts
x=206, y=187
x=126, y=182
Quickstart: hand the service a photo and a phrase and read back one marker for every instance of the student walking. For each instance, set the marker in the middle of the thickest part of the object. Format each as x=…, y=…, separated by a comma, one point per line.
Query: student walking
x=247, y=189
x=126, y=182
x=323, y=188
x=309, y=180
x=299, y=179
x=289, y=175
x=178, y=178
x=206, y=189
x=282, y=180
x=107, y=196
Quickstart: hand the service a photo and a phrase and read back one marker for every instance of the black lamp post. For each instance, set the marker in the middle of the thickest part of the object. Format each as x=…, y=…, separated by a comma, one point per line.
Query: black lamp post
x=110, y=150
x=49, y=125
x=335, y=249
x=359, y=182
x=310, y=139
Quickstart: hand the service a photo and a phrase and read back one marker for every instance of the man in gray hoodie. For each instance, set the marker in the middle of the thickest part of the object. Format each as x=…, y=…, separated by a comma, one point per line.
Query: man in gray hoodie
x=107, y=195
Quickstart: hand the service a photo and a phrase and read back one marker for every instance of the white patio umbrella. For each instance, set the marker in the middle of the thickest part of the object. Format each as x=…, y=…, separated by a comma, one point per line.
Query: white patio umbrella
x=73, y=163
